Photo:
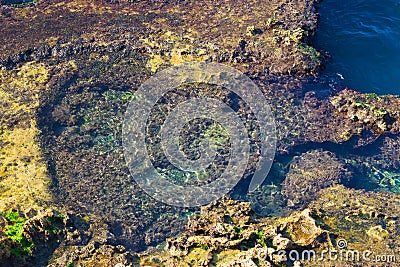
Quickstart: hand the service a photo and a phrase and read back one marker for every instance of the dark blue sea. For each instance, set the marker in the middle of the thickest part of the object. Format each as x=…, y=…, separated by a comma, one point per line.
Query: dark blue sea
x=363, y=39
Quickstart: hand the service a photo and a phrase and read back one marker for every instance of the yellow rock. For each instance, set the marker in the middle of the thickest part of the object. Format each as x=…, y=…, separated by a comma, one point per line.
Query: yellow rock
x=377, y=232
x=23, y=172
x=154, y=63
x=24, y=180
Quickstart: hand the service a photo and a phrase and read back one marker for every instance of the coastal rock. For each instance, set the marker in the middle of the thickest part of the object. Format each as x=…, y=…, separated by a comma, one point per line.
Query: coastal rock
x=241, y=243
x=70, y=68
x=366, y=221
x=301, y=228
x=376, y=113
x=311, y=172
x=30, y=238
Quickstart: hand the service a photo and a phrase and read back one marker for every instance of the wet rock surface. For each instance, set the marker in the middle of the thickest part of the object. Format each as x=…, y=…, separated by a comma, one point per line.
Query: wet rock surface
x=367, y=221
x=227, y=233
x=50, y=238
x=344, y=221
x=68, y=72
x=311, y=172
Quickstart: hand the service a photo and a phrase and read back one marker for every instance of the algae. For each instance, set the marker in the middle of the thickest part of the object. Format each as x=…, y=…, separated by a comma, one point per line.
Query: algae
x=24, y=177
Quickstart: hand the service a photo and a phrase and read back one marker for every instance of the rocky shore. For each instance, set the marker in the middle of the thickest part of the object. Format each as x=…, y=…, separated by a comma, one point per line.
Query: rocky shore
x=68, y=70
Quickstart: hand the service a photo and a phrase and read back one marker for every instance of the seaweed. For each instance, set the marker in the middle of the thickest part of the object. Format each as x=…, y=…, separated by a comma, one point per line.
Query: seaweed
x=14, y=231
x=18, y=3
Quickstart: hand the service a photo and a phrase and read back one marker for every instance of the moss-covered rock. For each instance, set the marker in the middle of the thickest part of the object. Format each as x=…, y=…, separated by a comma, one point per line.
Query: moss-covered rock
x=226, y=233
x=311, y=172
x=63, y=92
x=368, y=221
x=378, y=113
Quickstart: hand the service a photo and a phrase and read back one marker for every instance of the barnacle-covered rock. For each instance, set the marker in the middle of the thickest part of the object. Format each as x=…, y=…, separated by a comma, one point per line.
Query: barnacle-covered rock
x=367, y=221
x=64, y=89
x=391, y=152
x=379, y=114
x=311, y=172
x=221, y=237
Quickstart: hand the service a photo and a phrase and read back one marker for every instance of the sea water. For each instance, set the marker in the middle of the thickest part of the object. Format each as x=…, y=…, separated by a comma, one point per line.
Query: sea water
x=363, y=39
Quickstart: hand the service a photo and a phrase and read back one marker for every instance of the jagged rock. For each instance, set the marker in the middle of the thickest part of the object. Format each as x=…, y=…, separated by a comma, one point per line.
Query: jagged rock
x=301, y=228
x=311, y=172
x=377, y=113
x=73, y=80
x=241, y=243
x=365, y=220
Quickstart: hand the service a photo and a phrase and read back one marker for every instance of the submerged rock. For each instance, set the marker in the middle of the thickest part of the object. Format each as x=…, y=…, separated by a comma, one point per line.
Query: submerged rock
x=391, y=152
x=311, y=172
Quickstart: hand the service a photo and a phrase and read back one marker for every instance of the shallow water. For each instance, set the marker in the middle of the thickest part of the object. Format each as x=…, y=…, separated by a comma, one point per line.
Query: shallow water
x=363, y=38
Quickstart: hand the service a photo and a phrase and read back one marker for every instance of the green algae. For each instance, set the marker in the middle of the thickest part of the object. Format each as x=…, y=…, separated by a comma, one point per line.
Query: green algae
x=260, y=237
x=113, y=94
x=14, y=232
x=386, y=180
x=19, y=3
x=315, y=56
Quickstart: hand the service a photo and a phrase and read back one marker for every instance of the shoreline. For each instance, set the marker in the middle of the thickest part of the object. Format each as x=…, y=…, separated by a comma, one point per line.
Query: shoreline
x=70, y=70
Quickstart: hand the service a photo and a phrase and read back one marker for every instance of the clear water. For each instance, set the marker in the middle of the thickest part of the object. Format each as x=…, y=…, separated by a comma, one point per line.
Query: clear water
x=363, y=38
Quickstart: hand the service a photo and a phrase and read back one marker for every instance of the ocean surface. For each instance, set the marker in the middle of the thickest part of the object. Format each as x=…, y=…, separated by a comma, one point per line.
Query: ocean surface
x=363, y=39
